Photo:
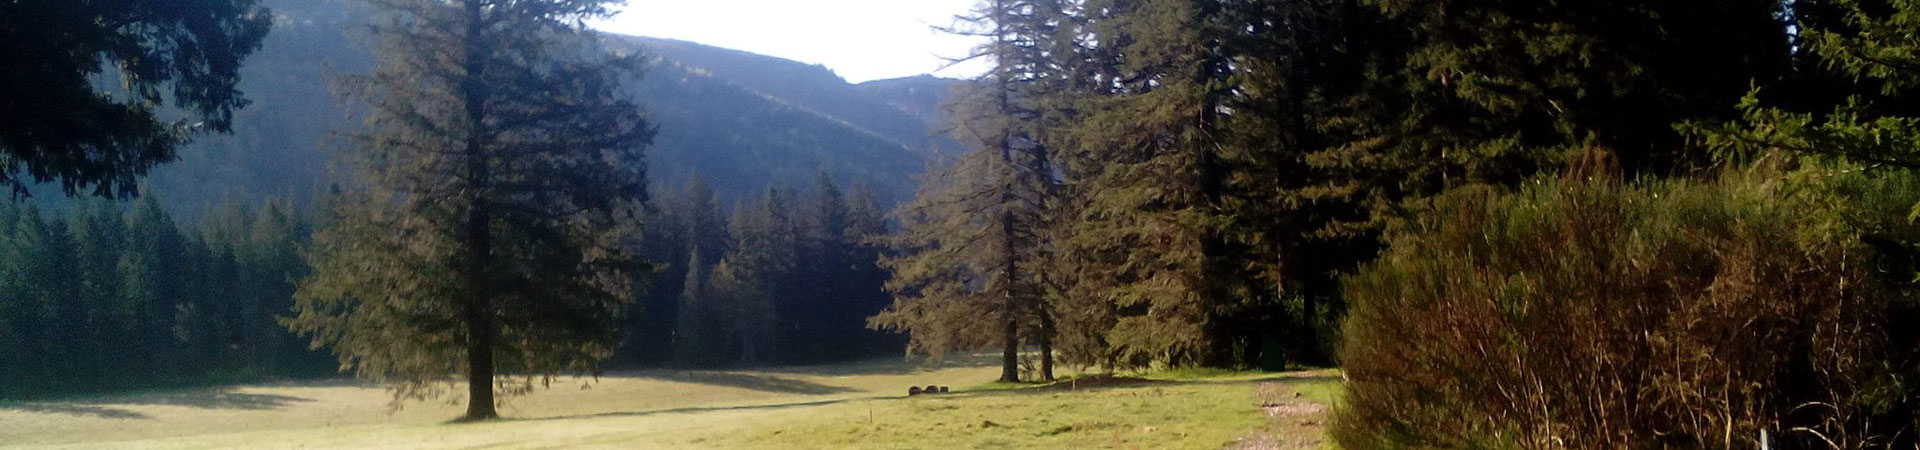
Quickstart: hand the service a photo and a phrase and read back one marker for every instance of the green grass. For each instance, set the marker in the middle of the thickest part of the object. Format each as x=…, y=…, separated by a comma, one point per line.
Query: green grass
x=1201, y=409
x=1324, y=391
x=1194, y=415
x=1193, y=373
x=860, y=405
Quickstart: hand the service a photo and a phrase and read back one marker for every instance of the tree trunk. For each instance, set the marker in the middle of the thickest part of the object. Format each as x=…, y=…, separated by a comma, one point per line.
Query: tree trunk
x=1010, y=312
x=479, y=236
x=480, y=326
x=1010, y=358
x=1214, y=267
x=1046, y=345
x=479, y=363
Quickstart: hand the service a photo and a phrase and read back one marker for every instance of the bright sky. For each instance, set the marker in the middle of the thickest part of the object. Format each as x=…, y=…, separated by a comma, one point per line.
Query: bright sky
x=862, y=40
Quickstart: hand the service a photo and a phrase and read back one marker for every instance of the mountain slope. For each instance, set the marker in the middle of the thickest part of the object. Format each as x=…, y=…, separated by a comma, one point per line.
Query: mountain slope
x=923, y=97
x=809, y=87
x=742, y=121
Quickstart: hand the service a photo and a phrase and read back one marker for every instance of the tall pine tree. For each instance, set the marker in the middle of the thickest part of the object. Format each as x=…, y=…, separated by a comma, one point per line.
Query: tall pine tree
x=974, y=240
x=503, y=167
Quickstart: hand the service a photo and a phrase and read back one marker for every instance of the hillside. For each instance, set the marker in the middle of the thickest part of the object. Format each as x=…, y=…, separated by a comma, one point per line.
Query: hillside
x=743, y=121
x=923, y=97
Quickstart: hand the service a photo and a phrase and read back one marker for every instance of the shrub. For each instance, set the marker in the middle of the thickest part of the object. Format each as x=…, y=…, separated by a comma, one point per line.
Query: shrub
x=1673, y=314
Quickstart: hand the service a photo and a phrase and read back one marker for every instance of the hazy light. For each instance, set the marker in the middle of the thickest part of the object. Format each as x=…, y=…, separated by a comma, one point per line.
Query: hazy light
x=861, y=40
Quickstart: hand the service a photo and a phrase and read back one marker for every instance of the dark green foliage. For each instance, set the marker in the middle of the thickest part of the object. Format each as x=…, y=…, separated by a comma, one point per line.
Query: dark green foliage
x=504, y=178
x=943, y=264
x=55, y=124
x=1492, y=88
x=972, y=265
x=1679, y=314
x=1153, y=181
x=1865, y=51
x=793, y=285
x=1218, y=164
x=687, y=223
x=104, y=300
x=698, y=337
x=764, y=259
x=1298, y=220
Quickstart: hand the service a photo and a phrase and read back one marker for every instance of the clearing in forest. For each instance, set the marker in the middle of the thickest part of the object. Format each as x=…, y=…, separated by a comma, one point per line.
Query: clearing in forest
x=856, y=405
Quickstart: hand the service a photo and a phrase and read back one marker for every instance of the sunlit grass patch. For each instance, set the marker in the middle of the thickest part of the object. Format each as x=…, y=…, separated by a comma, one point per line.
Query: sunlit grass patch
x=1194, y=409
x=854, y=405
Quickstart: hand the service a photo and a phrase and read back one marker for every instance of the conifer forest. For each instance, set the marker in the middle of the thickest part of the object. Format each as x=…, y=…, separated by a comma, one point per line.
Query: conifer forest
x=1243, y=224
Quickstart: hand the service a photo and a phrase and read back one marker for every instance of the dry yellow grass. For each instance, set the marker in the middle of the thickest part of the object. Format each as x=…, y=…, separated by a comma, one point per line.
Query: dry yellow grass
x=845, y=406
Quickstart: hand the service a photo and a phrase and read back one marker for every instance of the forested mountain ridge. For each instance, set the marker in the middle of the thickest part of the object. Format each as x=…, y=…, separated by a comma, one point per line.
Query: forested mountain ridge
x=924, y=97
x=875, y=106
x=741, y=120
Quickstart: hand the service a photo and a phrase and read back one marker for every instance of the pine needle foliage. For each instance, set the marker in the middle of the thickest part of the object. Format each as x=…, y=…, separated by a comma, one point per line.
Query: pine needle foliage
x=497, y=190
x=974, y=244
x=97, y=93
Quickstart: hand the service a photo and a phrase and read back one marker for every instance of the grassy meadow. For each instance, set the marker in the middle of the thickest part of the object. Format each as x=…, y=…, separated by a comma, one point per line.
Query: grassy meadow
x=857, y=405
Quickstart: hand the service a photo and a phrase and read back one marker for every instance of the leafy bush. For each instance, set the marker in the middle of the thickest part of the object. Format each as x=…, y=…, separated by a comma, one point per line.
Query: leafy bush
x=1678, y=314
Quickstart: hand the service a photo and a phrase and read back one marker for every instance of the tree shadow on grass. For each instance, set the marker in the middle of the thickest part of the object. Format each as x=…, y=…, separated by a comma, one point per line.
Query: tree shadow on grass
x=74, y=410
x=1034, y=390
x=212, y=399
x=888, y=366
x=749, y=381
x=696, y=409
x=1102, y=382
x=113, y=407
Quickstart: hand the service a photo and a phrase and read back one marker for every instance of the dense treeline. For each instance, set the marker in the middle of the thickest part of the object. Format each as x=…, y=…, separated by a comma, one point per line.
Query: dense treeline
x=110, y=296
x=101, y=298
x=1768, y=293
x=1209, y=182
x=787, y=278
x=1628, y=224
x=1642, y=224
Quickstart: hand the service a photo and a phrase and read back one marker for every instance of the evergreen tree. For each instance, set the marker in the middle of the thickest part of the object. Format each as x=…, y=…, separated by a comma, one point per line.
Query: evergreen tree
x=271, y=266
x=1873, y=44
x=14, y=314
x=746, y=308
x=98, y=308
x=650, y=321
x=57, y=283
x=866, y=231
x=155, y=273
x=830, y=320
x=953, y=287
x=1147, y=231
x=706, y=227
x=1004, y=185
x=691, y=222
x=56, y=126
x=504, y=167
x=1496, y=89
x=697, y=337
x=36, y=276
x=98, y=299
x=1300, y=223
x=765, y=259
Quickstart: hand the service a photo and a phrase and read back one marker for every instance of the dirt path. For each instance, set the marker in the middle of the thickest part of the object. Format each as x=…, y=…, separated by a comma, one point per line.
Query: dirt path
x=1294, y=422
